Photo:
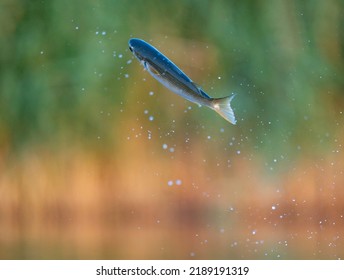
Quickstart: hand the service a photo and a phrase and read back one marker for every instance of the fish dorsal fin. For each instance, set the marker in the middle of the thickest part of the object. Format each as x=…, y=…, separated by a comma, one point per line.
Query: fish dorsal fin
x=204, y=94
x=200, y=91
x=196, y=85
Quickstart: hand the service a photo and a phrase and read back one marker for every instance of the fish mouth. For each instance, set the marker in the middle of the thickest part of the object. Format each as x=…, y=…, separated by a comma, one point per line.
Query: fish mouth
x=134, y=47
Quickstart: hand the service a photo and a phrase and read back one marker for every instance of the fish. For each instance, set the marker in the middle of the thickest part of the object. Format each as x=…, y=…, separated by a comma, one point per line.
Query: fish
x=168, y=74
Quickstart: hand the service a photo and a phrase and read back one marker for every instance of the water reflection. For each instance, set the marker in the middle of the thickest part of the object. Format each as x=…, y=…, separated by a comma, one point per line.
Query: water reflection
x=79, y=205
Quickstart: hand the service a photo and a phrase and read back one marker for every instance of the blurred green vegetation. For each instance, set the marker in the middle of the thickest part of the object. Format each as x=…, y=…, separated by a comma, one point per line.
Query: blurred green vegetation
x=61, y=66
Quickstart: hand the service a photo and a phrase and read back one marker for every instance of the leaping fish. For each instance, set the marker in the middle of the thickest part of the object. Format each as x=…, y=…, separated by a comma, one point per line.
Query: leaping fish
x=167, y=73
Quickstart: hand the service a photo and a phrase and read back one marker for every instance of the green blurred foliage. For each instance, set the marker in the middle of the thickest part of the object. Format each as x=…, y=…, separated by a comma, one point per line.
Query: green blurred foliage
x=64, y=66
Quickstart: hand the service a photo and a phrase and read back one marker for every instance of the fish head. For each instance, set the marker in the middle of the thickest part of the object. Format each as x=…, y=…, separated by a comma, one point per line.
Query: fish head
x=149, y=57
x=135, y=47
x=142, y=50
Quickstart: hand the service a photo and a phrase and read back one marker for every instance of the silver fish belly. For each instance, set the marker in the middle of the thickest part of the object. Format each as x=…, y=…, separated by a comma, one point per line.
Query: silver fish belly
x=167, y=73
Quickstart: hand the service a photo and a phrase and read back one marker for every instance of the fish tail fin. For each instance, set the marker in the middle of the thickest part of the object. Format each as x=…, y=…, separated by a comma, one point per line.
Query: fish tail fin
x=223, y=107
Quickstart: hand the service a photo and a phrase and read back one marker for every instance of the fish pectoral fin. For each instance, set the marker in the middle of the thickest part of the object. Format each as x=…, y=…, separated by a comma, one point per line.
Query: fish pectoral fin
x=151, y=69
